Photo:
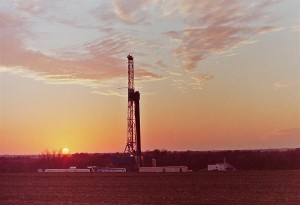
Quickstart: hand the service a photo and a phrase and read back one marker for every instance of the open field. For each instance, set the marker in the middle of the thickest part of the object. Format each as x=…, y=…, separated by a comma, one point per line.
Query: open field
x=244, y=187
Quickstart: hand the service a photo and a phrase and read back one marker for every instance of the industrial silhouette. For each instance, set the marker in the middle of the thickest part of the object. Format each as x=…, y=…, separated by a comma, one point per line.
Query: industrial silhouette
x=133, y=146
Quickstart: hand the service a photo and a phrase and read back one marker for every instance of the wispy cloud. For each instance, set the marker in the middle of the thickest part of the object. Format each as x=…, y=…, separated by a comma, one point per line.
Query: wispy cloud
x=147, y=74
x=128, y=12
x=213, y=28
x=200, y=80
x=31, y=7
x=197, y=30
x=101, y=61
x=98, y=67
x=183, y=83
x=161, y=64
x=109, y=93
x=268, y=29
x=174, y=73
x=282, y=84
x=199, y=43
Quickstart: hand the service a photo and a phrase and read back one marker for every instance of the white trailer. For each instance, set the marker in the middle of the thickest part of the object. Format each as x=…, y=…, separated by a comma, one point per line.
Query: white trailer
x=70, y=170
x=164, y=169
x=225, y=166
x=108, y=169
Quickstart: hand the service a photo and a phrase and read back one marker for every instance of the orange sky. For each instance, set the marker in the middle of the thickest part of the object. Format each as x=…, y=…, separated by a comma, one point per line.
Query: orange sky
x=211, y=76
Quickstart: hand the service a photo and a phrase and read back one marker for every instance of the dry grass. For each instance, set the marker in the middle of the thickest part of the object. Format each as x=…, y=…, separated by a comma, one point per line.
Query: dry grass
x=251, y=187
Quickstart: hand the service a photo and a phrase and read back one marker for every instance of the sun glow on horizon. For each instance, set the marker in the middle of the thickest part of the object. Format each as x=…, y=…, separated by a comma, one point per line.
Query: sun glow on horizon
x=209, y=79
x=65, y=150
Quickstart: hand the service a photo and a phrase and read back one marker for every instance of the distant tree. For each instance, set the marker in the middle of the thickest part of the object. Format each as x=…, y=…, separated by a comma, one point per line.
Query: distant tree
x=195, y=160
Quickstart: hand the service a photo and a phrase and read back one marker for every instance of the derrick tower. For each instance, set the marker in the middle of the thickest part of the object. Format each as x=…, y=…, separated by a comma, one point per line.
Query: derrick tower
x=133, y=146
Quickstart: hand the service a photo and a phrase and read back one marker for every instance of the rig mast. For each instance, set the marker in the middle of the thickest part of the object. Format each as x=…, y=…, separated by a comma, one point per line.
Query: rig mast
x=133, y=146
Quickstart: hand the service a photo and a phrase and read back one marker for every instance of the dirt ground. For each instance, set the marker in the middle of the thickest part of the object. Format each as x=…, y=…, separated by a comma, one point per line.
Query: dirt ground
x=241, y=187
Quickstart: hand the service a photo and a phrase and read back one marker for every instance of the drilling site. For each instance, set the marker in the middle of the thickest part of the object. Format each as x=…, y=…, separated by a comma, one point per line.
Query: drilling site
x=132, y=159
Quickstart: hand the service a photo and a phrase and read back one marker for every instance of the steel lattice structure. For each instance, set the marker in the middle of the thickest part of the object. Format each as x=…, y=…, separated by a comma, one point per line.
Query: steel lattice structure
x=133, y=146
x=131, y=134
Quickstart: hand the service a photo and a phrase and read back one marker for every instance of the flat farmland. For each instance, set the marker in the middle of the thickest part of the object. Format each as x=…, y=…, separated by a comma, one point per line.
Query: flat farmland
x=242, y=187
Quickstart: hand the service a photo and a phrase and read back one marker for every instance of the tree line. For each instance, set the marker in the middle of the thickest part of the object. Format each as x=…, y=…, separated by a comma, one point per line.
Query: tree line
x=195, y=160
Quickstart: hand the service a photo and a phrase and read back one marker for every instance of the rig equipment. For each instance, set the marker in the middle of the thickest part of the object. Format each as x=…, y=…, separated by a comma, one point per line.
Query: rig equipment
x=133, y=145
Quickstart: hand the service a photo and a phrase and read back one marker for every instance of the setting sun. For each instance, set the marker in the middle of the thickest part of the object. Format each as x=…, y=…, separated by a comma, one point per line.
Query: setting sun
x=65, y=150
x=224, y=76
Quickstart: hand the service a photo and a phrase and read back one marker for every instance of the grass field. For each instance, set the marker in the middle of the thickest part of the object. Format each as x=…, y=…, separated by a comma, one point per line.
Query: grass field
x=244, y=187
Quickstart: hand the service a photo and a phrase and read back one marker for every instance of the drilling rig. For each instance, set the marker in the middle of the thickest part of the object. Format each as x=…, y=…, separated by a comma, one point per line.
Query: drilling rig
x=132, y=157
x=133, y=146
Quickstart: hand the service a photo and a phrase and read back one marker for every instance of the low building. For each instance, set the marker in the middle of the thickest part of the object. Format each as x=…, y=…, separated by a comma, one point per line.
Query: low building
x=164, y=169
x=225, y=166
x=71, y=169
x=109, y=169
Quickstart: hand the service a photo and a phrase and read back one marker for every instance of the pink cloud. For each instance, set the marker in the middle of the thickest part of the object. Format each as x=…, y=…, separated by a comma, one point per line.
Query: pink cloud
x=201, y=80
x=14, y=54
x=72, y=23
x=267, y=29
x=100, y=63
x=145, y=73
x=209, y=27
x=32, y=6
x=196, y=44
x=176, y=36
x=161, y=64
x=129, y=12
x=213, y=28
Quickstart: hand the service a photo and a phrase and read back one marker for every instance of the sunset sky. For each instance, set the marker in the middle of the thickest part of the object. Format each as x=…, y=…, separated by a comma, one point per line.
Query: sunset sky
x=213, y=75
